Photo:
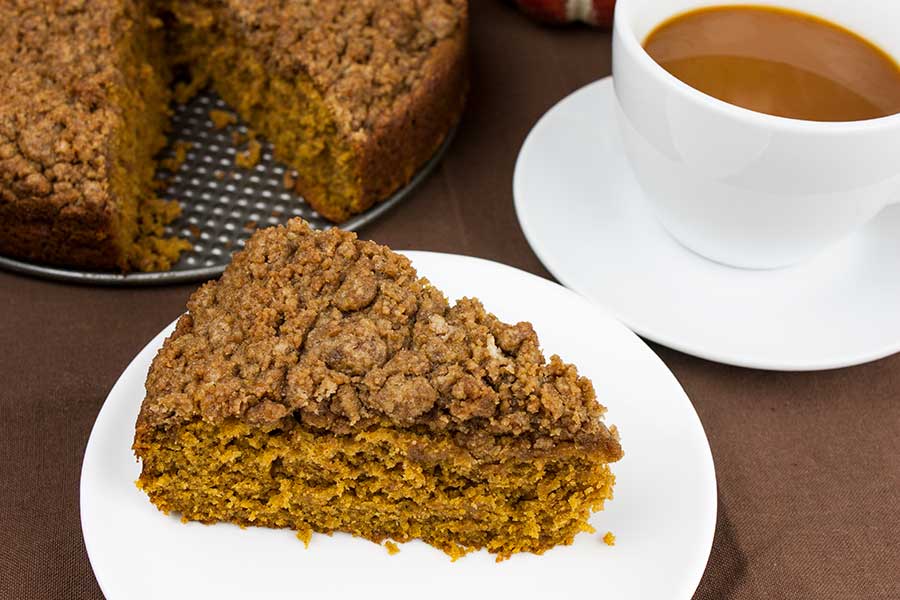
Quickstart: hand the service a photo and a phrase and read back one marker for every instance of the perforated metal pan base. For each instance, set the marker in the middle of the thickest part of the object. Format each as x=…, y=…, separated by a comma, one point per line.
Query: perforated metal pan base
x=221, y=204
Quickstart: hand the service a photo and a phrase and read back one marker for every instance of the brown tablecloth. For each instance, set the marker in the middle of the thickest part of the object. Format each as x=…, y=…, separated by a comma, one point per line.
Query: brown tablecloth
x=808, y=465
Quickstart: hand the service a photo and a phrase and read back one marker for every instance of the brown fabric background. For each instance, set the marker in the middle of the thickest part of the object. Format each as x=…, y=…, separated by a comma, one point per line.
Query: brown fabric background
x=808, y=464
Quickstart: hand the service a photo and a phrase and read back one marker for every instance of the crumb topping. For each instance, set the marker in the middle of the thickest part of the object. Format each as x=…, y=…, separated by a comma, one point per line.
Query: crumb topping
x=340, y=335
x=55, y=110
x=83, y=101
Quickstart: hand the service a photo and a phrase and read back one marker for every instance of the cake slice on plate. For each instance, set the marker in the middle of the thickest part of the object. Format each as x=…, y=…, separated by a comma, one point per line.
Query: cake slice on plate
x=322, y=385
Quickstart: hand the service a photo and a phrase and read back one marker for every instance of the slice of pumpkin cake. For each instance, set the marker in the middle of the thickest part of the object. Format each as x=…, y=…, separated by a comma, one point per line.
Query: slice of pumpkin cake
x=322, y=385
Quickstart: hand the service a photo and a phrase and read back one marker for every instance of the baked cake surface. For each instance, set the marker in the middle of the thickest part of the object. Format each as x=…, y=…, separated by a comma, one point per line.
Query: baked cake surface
x=322, y=385
x=83, y=105
x=355, y=94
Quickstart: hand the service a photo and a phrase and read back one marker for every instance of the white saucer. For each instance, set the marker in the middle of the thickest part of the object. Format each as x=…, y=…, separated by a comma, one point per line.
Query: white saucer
x=663, y=513
x=584, y=216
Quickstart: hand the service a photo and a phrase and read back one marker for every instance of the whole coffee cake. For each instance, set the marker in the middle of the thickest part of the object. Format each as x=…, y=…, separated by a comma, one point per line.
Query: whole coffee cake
x=322, y=385
x=356, y=95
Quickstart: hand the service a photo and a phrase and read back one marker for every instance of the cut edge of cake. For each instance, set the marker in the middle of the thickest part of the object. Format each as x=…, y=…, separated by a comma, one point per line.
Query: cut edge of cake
x=343, y=167
x=78, y=134
x=84, y=195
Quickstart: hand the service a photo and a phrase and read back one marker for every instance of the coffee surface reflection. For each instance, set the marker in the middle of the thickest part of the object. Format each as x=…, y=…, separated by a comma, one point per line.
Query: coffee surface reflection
x=779, y=62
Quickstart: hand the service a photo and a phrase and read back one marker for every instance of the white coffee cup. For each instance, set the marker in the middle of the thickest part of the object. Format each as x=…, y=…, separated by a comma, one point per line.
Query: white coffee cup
x=745, y=188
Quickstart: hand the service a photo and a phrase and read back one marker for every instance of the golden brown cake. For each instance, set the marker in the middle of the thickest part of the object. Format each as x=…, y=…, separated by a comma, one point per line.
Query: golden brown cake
x=356, y=95
x=83, y=103
x=322, y=385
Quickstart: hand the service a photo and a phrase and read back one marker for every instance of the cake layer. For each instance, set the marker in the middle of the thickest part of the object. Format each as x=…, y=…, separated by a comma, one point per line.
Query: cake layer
x=83, y=106
x=356, y=96
x=379, y=484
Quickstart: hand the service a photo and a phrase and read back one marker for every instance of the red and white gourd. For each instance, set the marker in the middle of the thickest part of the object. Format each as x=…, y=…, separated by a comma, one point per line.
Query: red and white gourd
x=593, y=12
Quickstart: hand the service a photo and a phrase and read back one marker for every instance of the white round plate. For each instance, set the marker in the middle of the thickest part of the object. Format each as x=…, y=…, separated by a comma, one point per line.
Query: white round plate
x=663, y=514
x=584, y=215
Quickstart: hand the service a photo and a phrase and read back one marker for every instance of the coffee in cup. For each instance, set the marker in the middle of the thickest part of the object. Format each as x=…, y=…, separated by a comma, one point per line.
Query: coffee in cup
x=779, y=62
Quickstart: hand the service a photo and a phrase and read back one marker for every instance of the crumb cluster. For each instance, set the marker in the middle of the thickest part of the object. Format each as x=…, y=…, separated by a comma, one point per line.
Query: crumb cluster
x=342, y=334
